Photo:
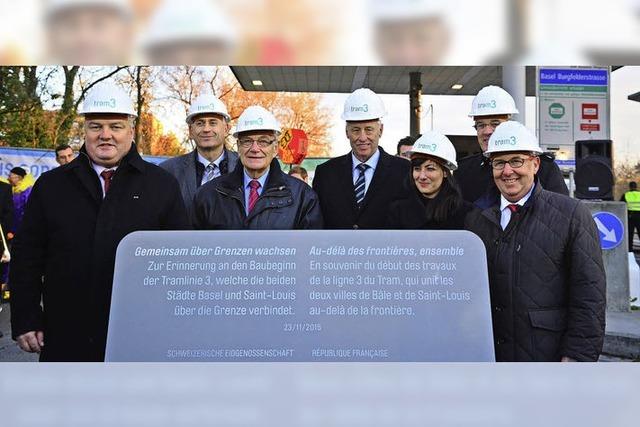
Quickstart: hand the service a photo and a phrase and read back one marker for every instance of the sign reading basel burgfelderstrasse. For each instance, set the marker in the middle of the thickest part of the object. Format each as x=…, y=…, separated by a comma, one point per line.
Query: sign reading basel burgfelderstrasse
x=573, y=104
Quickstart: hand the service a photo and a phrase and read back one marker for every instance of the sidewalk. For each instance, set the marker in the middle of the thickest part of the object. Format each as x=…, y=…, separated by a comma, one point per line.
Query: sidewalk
x=622, y=335
x=9, y=351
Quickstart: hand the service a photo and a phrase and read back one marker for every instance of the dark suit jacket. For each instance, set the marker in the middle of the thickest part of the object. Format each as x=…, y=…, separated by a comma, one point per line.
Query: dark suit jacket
x=333, y=182
x=184, y=169
x=286, y=203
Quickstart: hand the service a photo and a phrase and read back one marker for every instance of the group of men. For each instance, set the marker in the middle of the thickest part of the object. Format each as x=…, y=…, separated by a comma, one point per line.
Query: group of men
x=547, y=279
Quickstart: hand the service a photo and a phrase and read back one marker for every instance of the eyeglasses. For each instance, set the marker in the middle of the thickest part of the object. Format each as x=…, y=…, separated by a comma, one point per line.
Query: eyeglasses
x=515, y=163
x=248, y=142
x=482, y=126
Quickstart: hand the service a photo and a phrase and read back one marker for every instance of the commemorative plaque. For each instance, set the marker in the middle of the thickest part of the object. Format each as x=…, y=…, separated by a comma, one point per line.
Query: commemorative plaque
x=300, y=296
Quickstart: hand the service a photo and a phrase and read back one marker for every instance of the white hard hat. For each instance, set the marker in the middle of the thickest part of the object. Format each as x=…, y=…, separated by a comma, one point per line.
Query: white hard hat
x=491, y=101
x=363, y=104
x=186, y=21
x=256, y=118
x=207, y=103
x=107, y=98
x=385, y=10
x=52, y=7
x=437, y=145
x=512, y=136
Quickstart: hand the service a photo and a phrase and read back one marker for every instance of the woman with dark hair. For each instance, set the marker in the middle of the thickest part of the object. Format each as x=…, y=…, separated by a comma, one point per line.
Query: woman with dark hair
x=435, y=202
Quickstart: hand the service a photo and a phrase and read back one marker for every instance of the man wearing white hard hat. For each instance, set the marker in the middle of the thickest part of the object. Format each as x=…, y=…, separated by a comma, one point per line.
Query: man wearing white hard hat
x=356, y=189
x=257, y=195
x=435, y=202
x=546, y=276
x=208, y=122
x=89, y=32
x=76, y=216
x=490, y=107
x=191, y=32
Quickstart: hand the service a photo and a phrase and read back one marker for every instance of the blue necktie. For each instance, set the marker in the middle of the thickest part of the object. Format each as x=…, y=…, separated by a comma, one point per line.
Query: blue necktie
x=209, y=173
x=360, y=184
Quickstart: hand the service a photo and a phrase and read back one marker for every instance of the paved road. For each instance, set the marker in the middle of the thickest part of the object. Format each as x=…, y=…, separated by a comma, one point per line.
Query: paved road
x=9, y=351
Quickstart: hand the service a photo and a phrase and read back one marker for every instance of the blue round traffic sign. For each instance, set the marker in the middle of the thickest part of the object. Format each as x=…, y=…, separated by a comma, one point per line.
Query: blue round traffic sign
x=610, y=229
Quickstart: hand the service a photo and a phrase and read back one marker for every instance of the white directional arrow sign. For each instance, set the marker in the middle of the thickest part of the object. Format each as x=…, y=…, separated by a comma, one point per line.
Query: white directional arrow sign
x=609, y=235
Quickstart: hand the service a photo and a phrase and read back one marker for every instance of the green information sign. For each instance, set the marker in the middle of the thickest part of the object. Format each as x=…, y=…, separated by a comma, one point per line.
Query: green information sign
x=556, y=110
x=573, y=104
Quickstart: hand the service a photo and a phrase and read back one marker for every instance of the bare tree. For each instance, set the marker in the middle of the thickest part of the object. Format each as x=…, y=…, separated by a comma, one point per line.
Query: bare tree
x=68, y=110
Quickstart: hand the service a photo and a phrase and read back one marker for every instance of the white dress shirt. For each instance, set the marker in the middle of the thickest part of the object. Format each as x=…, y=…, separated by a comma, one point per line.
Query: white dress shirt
x=505, y=212
x=368, y=174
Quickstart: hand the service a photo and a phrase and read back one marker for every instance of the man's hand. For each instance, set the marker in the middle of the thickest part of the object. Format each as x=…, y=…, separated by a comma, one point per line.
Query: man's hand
x=567, y=359
x=31, y=342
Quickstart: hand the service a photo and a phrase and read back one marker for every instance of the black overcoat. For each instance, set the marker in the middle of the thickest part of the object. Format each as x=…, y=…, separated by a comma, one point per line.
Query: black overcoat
x=546, y=278
x=65, y=251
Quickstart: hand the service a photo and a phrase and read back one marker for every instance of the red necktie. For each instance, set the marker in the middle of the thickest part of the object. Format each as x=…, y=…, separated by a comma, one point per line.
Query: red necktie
x=253, y=193
x=107, y=174
x=513, y=208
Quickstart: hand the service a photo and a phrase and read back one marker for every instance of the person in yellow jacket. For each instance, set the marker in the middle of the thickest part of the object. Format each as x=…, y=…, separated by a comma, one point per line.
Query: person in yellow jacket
x=632, y=197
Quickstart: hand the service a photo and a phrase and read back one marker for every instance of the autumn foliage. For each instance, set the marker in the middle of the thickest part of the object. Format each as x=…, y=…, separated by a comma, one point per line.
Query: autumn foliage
x=38, y=105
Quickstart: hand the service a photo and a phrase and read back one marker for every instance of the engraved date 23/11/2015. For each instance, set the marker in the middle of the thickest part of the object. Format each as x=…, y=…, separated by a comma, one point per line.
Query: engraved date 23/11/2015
x=301, y=327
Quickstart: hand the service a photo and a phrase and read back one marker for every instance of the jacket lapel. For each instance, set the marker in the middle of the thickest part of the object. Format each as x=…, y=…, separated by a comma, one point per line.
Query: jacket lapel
x=346, y=185
x=188, y=184
x=231, y=159
x=82, y=169
x=274, y=186
x=379, y=176
x=232, y=184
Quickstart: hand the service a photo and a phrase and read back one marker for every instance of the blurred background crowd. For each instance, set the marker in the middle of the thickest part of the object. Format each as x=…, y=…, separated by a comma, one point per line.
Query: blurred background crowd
x=308, y=32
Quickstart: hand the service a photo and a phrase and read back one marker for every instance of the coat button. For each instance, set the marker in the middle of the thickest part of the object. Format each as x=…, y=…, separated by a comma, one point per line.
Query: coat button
x=355, y=226
x=497, y=308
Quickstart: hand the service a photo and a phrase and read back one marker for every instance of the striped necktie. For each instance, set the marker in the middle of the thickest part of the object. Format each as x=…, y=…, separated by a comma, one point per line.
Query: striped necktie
x=209, y=173
x=360, y=184
x=253, y=193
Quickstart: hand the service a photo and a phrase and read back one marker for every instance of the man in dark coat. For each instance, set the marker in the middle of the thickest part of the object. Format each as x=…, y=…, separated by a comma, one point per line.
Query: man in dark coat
x=208, y=122
x=356, y=189
x=257, y=195
x=546, y=275
x=492, y=106
x=75, y=218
